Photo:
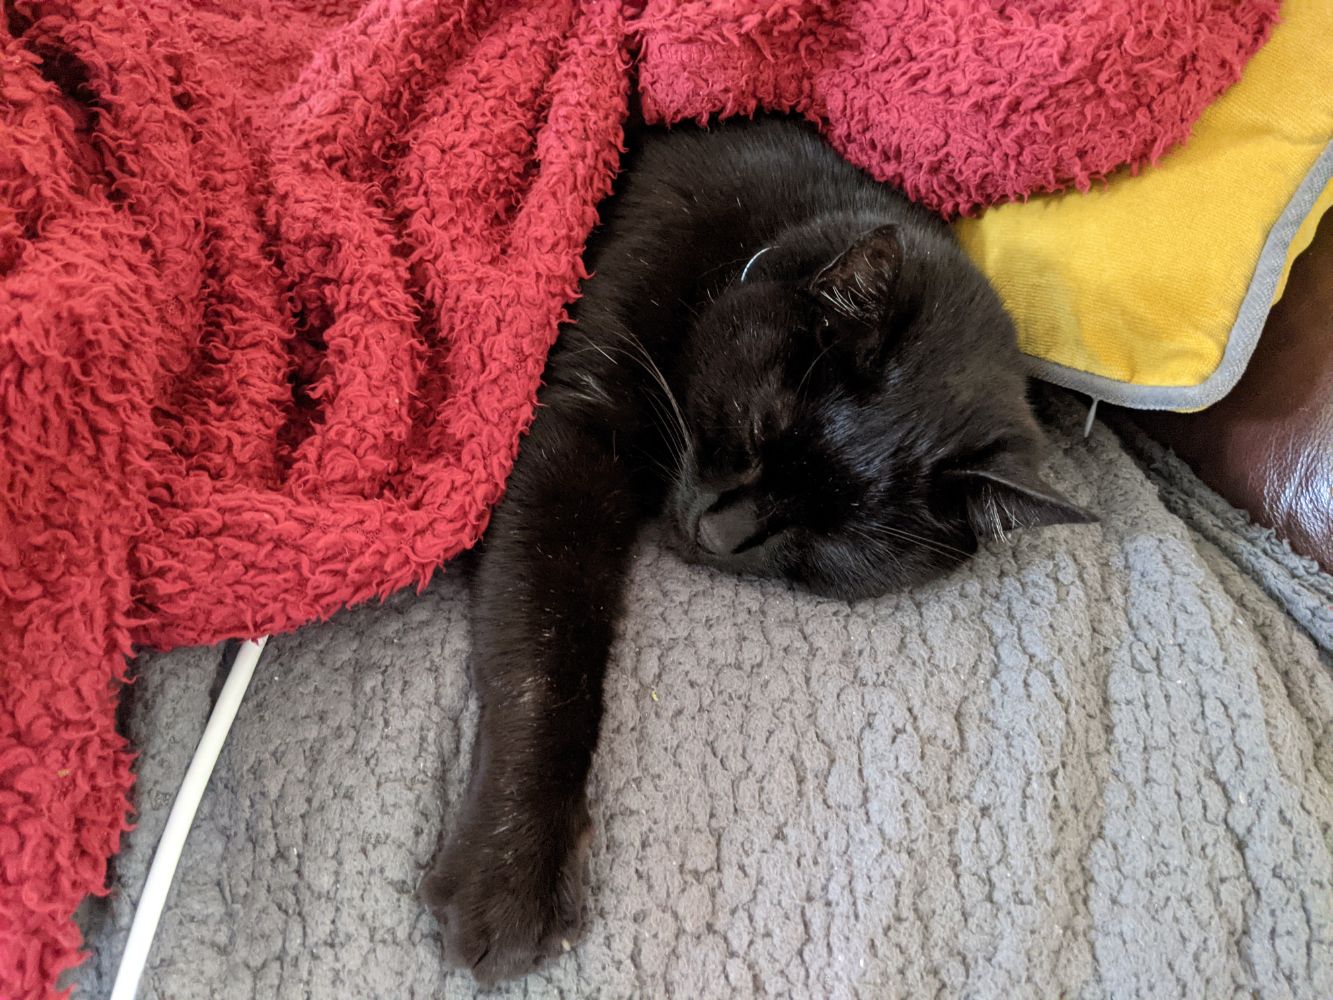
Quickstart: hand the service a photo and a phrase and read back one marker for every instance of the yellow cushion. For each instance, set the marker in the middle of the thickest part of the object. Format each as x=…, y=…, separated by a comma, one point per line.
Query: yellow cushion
x=1151, y=291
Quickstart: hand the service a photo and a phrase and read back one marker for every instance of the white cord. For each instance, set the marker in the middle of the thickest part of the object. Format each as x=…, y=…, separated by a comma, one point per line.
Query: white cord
x=1092, y=416
x=160, y=874
x=750, y=263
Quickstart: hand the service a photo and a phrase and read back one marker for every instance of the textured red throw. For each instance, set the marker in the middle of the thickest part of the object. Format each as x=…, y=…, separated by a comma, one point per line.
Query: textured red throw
x=277, y=279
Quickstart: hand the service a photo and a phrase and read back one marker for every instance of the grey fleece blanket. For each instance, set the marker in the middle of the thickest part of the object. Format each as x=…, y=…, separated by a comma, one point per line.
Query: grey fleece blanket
x=1096, y=763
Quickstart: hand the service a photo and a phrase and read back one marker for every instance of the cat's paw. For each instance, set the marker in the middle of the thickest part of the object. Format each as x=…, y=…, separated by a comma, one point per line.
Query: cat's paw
x=505, y=906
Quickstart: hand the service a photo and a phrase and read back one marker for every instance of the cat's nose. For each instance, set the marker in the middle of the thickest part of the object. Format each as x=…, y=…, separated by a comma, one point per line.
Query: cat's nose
x=723, y=531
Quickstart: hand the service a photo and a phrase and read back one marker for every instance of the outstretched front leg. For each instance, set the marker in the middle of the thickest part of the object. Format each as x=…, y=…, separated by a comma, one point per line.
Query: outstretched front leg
x=507, y=890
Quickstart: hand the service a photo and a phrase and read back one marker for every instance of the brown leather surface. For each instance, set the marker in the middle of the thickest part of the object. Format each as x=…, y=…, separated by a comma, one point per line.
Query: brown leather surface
x=1268, y=446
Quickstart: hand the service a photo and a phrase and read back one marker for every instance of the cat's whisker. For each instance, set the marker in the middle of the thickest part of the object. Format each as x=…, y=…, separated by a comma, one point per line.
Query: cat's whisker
x=649, y=365
x=911, y=536
x=670, y=437
x=883, y=532
x=668, y=473
x=860, y=554
x=818, y=358
x=723, y=266
x=671, y=433
x=877, y=546
x=672, y=421
x=943, y=548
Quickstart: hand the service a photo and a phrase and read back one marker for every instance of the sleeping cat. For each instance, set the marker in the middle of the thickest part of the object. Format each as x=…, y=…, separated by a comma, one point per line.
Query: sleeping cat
x=802, y=375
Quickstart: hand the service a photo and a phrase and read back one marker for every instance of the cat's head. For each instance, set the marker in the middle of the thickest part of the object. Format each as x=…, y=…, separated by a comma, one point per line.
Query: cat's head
x=856, y=415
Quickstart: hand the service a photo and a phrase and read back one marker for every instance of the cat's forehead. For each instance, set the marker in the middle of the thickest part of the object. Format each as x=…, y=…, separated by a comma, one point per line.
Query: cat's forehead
x=741, y=396
x=793, y=258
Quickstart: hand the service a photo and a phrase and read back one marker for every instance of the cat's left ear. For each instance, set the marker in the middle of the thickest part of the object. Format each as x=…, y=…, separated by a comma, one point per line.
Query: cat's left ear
x=1009, y=494
x=860, y=283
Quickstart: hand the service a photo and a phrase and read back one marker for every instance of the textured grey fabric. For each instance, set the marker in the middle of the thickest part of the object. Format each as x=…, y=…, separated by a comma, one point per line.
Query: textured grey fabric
x=1296, y=583
x=1096, y=763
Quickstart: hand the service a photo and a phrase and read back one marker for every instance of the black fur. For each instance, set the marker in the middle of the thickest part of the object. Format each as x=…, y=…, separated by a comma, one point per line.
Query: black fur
x=852, y=416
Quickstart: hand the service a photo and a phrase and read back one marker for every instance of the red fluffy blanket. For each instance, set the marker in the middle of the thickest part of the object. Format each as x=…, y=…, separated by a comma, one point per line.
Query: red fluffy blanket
x=277, y=280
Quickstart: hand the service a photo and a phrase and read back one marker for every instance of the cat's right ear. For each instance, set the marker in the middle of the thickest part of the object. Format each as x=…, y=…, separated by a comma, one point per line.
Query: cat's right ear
x=859, y=284
x=858, y=293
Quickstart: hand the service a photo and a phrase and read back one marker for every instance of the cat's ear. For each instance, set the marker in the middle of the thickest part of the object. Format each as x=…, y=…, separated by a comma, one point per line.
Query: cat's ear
x=860, y=282
x=1007, y=493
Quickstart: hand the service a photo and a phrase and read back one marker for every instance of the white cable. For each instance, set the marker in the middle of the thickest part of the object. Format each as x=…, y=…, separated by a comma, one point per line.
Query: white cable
x=1092, y=416
x=168, y=853
x=750, y=263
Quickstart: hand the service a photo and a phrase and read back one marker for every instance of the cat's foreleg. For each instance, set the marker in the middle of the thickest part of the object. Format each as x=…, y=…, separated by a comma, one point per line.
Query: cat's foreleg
x=507, y=887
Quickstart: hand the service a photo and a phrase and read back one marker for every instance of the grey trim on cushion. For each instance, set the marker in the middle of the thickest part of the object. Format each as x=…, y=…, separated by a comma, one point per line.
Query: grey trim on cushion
x=1250, y=320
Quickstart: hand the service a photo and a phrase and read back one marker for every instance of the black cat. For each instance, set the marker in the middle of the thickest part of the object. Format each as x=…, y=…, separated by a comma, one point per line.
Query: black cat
x=801, y=371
